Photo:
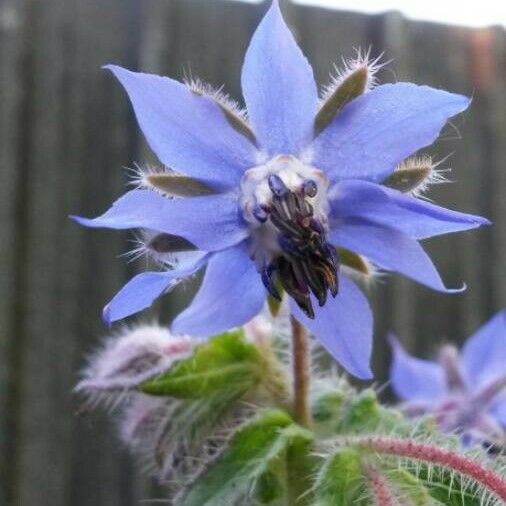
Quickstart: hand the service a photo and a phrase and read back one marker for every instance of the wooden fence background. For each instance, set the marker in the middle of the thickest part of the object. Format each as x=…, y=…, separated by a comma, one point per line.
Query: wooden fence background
x=66, y=130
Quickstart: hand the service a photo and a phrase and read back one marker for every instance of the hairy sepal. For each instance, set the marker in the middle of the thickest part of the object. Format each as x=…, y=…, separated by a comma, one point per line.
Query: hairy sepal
x=226, y=362
x=355, y=77
x=176, y=185
x=236, y=117
x=414, y=175
x=349, y=88
x=340, y=481
x=249, y=464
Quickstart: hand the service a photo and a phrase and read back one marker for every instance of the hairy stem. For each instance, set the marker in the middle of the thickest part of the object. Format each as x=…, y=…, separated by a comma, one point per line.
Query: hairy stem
x=379, y=487
x=301, y=373
x=433, y=454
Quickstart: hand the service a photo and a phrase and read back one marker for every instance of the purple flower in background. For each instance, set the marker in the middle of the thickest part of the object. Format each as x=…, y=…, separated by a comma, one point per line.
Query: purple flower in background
x=264, y=198
x=466, y=393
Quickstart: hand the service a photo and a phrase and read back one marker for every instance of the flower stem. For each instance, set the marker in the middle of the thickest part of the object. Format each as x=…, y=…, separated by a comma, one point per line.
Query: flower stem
x=430, y=453
x=379, y=487
x=301, y=373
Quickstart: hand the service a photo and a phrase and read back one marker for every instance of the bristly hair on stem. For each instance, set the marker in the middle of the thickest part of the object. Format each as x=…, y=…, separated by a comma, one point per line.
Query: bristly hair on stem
x=301, y=373
x=492, y=482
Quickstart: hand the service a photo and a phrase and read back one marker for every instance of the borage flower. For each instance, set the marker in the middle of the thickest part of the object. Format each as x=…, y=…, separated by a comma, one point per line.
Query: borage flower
x=266, y=197
x=466, y=394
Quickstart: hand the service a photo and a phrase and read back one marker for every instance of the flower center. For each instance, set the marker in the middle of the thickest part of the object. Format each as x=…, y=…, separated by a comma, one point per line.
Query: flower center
x=285, y=203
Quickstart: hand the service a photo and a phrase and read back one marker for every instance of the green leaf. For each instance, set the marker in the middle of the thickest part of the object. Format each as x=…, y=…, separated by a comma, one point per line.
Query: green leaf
x=254, y=451
x=340, y=481
x=225, y=362
x=268, y=488
x=447, y=488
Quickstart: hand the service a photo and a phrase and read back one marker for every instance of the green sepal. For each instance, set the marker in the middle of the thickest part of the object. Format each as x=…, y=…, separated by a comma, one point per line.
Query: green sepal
x=350, y=88
x=407, y=179
x=253, y=451
x=238, y=124
x=273, y=303
x=326, y=409
x=364, y=413
x=340, y=481
x=225, y=362
x=410, y=488
x=354, y=261
x=178, y=185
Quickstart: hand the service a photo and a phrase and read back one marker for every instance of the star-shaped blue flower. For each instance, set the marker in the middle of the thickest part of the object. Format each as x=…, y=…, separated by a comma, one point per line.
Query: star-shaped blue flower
x=466, y=393
x=284, y=185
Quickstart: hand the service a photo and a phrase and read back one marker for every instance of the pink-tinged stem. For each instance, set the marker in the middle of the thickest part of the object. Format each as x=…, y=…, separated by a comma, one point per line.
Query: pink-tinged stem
x=433, y=454
x=380, y=489
x=301, y=373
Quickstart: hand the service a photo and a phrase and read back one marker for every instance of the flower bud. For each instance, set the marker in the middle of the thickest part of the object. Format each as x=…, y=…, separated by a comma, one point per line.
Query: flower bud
x=127, y=360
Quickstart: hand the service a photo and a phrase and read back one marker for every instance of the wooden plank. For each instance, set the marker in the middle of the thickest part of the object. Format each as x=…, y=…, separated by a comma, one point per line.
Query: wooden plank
x=38, y=455
x=105, y=32
x=11, y=202
x=58, y=317
x=496, y=262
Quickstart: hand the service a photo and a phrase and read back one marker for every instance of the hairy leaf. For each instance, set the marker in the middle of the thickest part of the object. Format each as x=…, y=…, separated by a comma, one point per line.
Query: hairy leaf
x=253, y=451
x=225, y=362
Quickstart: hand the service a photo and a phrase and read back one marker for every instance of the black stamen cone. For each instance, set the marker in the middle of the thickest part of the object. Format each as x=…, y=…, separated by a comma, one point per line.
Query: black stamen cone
x=307, y=263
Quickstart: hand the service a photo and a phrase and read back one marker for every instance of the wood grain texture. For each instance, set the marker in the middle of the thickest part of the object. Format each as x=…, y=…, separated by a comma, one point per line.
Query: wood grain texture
x=66, y=131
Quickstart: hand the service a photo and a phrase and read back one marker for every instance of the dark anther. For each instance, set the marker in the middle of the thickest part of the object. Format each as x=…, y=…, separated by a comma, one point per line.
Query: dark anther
x=295, y=286
x=289, y=246
x=260, y=214
x=307, y=264
x=310, y=188
x=277, y=185
x=316, y=226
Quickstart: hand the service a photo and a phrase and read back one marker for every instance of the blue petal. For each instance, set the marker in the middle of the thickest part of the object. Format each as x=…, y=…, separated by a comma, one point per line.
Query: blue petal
x=484, y=354
x=189, y=133
x=417, y=218
x=142, y=290
x=375, y=132
x=344, y=327
x=498, y=410
x=414, y=379
x=390, y=249
x=231, y=294
x=422, y=219
x=279, y=87
x=211, y=223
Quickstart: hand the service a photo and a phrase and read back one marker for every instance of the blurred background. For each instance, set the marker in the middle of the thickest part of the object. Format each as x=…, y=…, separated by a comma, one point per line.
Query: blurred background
x=66, y=132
